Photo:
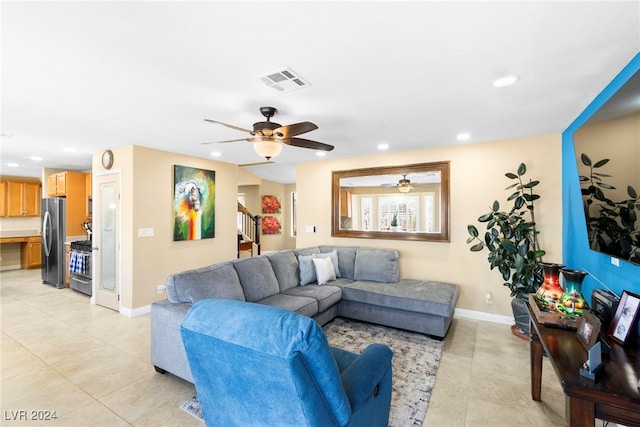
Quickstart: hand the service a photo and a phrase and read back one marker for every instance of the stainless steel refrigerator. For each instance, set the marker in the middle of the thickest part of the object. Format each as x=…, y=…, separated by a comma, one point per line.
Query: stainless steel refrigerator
x=53, y=217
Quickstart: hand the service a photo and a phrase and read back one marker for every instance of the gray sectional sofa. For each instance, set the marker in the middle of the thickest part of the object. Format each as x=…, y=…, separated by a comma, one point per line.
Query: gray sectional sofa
x=367, y=287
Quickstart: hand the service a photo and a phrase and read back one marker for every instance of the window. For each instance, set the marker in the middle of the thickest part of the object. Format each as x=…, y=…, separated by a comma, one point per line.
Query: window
x=294, y=205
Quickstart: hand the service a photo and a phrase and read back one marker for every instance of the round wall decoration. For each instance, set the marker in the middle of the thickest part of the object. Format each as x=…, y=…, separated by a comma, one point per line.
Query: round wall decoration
x=107, y=159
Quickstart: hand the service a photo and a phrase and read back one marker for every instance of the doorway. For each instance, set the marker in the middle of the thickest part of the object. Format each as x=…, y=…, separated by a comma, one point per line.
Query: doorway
x=106, y=241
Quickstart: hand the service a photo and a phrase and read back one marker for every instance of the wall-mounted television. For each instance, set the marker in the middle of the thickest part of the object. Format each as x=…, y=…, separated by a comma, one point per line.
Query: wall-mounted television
x=607, y=149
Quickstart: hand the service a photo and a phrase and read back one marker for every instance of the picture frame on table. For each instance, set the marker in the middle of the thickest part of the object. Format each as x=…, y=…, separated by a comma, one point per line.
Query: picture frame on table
x=588, y=330
x=624, y=321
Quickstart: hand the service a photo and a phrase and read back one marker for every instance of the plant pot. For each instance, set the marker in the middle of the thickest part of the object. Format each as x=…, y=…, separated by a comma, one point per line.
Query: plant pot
x=521, y=317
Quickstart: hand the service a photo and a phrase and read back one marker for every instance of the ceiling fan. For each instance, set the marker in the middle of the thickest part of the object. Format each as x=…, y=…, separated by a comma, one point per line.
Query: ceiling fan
x=404, y=185
x=268, y=137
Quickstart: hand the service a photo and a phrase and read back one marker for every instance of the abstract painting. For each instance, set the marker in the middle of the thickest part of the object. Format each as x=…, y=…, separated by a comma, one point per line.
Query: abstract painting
x=193, y=203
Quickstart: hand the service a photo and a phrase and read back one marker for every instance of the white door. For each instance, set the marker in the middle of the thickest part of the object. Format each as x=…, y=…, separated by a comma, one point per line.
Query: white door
x=106, y=245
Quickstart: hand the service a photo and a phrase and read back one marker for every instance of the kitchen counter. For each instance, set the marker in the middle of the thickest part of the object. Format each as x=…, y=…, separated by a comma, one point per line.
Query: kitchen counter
x=30, y=249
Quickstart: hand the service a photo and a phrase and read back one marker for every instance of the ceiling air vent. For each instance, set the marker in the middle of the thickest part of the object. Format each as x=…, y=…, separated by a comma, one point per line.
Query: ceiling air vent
x=284, y=80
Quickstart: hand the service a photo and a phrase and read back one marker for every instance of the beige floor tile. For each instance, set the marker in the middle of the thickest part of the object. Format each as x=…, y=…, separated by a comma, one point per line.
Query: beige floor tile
x=149, y=393
x=91, y=365
x=93, y=414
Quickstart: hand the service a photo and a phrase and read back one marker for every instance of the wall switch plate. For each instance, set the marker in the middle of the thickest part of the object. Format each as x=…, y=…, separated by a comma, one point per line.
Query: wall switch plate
x=310, y=228
x=146, y=232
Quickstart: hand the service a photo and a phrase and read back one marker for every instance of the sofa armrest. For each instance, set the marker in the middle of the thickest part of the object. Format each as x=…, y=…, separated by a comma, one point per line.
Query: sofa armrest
x=361, y=379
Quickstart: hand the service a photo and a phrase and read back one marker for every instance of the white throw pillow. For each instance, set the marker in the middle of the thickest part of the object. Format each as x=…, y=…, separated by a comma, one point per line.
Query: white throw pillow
x=324, y=270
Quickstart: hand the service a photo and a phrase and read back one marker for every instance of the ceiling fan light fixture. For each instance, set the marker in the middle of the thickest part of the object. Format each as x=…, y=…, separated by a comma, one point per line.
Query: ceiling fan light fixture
x=267, y=148
x=404, y=188
x=404, y=185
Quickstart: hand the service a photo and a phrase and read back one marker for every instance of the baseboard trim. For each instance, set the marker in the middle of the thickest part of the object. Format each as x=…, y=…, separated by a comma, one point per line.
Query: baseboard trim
x=479, y=315
x=134, y=312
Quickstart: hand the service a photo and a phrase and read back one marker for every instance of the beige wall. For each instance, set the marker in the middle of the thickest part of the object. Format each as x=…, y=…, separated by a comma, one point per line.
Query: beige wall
x=146, y=202
x=477, y=179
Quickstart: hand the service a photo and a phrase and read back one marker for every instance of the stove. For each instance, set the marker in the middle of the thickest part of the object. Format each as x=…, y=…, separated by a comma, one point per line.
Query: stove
x=80, y=266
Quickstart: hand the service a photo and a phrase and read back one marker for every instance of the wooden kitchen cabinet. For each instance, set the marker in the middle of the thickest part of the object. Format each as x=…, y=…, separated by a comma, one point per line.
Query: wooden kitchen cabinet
x=31, y=253
x=345, y=203
x=64, y=184
x=71, y=185
x=3, y=198
x=20, y=198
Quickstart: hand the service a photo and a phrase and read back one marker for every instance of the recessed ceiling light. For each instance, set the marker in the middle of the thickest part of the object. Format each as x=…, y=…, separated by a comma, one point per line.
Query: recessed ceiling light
x=36, y=158
x=216, y=154
x=463, y=136
x=321, y=154
x=70, y=149
x=383, y=147
x=505, y=81
x=12, y=165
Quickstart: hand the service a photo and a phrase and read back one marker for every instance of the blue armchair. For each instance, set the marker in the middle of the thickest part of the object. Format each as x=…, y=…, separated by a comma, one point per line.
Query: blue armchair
x=256, y=365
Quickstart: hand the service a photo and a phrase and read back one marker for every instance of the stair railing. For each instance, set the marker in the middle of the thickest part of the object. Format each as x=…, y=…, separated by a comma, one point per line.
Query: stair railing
x=249, y=226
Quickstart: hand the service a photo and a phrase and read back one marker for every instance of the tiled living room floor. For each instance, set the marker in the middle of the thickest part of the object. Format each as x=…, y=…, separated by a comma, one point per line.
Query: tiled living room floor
x=91, y=365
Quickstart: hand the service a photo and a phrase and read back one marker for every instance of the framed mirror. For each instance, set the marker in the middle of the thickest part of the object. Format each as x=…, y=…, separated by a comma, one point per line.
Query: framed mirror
x=409, y=202
x=607, y=148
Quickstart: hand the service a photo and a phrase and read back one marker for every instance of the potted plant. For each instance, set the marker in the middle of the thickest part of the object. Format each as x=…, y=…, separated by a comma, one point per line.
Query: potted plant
x=611, y=225
x=394, y=222
x=511, y=239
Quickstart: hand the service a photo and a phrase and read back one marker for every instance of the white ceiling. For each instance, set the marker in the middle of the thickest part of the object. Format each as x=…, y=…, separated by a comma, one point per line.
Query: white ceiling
x=98, y=75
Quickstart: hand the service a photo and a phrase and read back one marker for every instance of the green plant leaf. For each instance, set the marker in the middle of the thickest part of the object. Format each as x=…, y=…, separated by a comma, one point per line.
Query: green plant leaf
x=606, y=186
x=632, y=192
x=511, y=175
x=600, y=163
x=585, y=159
x=477, y=247
x=531, y=184
x=486, y=217
x=510, y=247
x=513, y=196
x=472, y=230
x=522, y=169
x=496, y=206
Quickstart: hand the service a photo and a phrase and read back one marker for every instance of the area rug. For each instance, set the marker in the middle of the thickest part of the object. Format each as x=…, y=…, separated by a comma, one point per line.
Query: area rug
x=416, y=358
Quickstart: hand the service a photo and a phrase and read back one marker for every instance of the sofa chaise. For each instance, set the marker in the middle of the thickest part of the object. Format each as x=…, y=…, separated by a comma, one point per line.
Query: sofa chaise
x=366, y=287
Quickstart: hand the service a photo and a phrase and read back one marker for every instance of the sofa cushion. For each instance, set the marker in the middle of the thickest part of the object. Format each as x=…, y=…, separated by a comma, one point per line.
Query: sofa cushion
x=436, y=298
x=346, y=259
x=285, y=267
x=214, y=281
x=376, y=265
x=257, y=277
x=306, y=251
x=326, y=295
x=299, y=304
x=324, y=270
x=308, y=270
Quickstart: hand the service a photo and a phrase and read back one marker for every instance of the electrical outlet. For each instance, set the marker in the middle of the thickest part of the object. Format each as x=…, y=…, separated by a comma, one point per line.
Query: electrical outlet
x=488, y=298
x=160, y=289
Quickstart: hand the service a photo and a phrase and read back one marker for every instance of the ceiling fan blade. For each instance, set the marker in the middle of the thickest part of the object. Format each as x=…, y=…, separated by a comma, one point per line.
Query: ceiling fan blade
x=256, y=164
x=307, y=143
x=224, y=142
x=295, y=129
x=229, y=126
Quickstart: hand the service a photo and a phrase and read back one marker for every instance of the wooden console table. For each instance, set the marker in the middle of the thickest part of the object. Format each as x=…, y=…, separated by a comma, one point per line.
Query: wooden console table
x=615, y=397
